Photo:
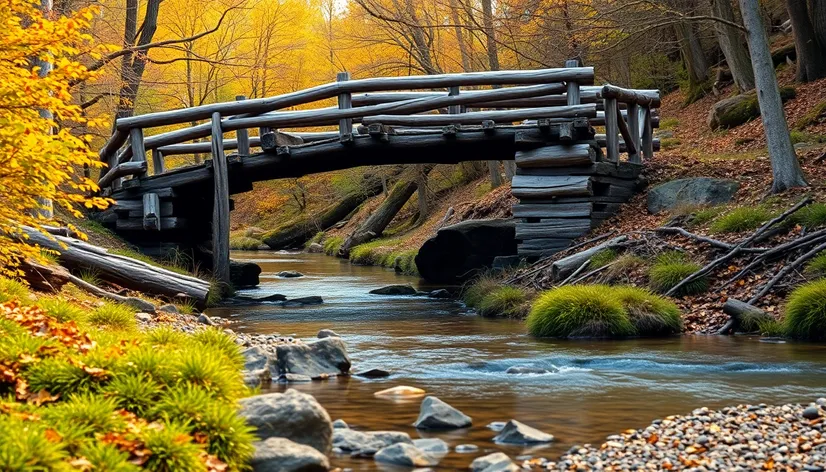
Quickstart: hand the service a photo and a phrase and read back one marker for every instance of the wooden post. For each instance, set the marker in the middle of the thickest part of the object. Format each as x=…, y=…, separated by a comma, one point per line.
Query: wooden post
x=243, y=135
x=634, y=129
x=158, y=164
x=151, y=212
x=345, y=101
x=138, y=149
x=220, y=209
x=611, y=130
x=647, y=134
x=573, y=86
x=454, y=109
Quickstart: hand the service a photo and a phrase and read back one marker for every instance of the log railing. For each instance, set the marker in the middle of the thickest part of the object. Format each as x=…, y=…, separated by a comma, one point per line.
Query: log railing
x=532, y=98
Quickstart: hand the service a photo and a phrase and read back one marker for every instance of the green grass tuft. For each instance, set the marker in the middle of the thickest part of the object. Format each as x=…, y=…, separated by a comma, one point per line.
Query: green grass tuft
x=134, y=392
x=806, y=312
x=332, y=245
x=606, y=256
x=25, y=446
x=62, y=309
x=671, y=268
x=106, y=457
x=11, y=289
x=816, y=115
x=171, y=448
x=473, y=293
x=317, y=238
x=216, y=340
x=741, y=219
x=577, y=311
x=623, y=266
x=651, y=315
x=113, y=316
x=817, y=266
x=704, y=215
x=812, y=216
x=669, y=123
x=504, y=301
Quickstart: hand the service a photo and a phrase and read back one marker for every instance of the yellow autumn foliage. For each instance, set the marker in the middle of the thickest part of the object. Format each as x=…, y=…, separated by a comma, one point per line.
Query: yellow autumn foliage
x=41, y=158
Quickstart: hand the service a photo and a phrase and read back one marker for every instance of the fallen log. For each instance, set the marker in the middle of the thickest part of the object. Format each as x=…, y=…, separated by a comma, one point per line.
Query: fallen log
x=375, y=225
x=777, y=251
x=567, y=265
x=787, y=270
x=741, y=314
x=124, y=271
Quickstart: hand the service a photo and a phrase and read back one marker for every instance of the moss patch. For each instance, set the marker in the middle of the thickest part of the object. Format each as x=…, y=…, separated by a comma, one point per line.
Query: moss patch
x=244, y=243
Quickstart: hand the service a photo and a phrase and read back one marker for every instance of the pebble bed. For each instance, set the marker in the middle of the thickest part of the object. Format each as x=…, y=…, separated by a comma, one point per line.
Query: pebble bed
x=741, y=438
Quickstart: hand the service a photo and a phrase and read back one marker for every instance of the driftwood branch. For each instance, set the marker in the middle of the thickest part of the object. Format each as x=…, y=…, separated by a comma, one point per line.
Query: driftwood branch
x=786, y=271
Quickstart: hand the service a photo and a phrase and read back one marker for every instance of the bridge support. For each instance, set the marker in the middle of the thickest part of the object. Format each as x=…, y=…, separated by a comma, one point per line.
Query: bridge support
x=220, y=209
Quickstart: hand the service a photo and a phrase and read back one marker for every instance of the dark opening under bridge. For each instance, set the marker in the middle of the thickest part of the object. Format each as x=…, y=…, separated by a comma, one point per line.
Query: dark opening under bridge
x=568, y=178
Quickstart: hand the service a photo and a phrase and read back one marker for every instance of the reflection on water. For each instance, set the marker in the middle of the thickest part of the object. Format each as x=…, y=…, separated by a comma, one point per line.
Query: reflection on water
x=601, y=387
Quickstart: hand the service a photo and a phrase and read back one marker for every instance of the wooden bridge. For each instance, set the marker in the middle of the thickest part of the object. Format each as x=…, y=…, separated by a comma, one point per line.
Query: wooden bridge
x=568, y=177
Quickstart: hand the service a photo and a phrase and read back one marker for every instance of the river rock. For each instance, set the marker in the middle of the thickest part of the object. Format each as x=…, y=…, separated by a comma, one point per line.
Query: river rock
x=143, y=317
x=691, y=192
x=466, y=448
x=244, y=274
x=315, y=248
x=496, y=426
x=339, y=424
x=400, y=391
x=436, y=414
x=526, y=369
x=496, y=462
x=327, y=333
x=406, y=455
x=301, y=301
x=282, y=455
x=292, y=415
x=204, y=319
x=169, y=308
x=394, y=290
x=439, y=293
x=318, y=359
x=275, y=297
x=373, y=374
x=811, y=413
x=740, y=109
x=294, y=378
x=256, y=366
x=289, y=274
x=459, y=251
x=350, y=440
x=519, y=433
x=433, y=446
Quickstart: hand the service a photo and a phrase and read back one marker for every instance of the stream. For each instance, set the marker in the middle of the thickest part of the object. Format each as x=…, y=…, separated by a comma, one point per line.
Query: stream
x=601, y=388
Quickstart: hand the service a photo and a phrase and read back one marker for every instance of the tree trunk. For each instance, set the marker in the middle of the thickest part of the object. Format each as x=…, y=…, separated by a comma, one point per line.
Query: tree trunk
x=421, y=185
x=818, y=11
x=375, y=225
x=133, y=64
x=45, y=206
x=786, y=171
x=495, y=176
x=493, y=63
x=460, y=37
x=694, y=60
x=731, y=42
x=811, y=57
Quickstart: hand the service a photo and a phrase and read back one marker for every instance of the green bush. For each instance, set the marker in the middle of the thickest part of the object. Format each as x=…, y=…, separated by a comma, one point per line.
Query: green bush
x=806, y=312
x=473, y=293
x=670, y=269
x=741, y=219
x=651, y=315
x=113, y=316
x=244, y=243
x=579, y=310
x=504, y=301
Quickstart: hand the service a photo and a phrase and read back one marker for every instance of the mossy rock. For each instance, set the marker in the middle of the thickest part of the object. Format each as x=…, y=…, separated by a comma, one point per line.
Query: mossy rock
x=740, y=109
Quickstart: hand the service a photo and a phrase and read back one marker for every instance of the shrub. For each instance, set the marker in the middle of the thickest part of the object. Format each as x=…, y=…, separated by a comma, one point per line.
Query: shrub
x=504, y=301
x=741, y=219
x=651, y=315
x=244, y=243
x=62, y=309
x=817, y=266
x=11, y=289
x=473, y=294
x=579, y=310
x=670, y=269
x=113, y=316
x=806, y=312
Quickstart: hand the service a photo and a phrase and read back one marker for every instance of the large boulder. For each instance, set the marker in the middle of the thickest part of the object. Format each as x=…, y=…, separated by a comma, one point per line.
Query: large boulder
x=349, y=440
x=406, y=455
x=244, y=274
x=459, y=251
x=283, y=455
x=256, y=366
x=318, y=359
x=496, y=462
x=292, y=415
x=436, y=414
x=739, y=109
x=519, y=433
x=695, y=191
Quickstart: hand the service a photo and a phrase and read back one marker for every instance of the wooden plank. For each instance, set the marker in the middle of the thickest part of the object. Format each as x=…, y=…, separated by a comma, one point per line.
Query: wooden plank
x=243, y=134
x=480, y=98
x=623, y=171
x=345, y=125
x=166, y=209
x=565, y=210
x=454, y=109
x=649, y=98
x=136, y=224
x=611, y=130
x=562, y=155
x=134, y=208
x=220, y=207
x=476, y=117
x=563, y=228
x=151, y=212
x=110, y=148
x=545, y=244
x=626, y=133
x=634, y=130
x=158, y=165
x=138, y=149
x=527, y=253
x=544, y=187
x=121, y=170
x=648, y=144
x=583, y=75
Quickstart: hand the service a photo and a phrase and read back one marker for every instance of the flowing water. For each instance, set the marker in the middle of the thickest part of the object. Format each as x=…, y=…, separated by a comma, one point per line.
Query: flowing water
x=601, y=388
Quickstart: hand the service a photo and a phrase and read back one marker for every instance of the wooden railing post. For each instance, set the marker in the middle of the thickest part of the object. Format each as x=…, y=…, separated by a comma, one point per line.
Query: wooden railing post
x=158, y=165
x=611, y=129
x=345, y=101
x=242, y=135
x=573, y=86
x=151, y=212
x=634, y=129
x=454, y=109
x=138, y=149
x=220, y=209
x=647, y=134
